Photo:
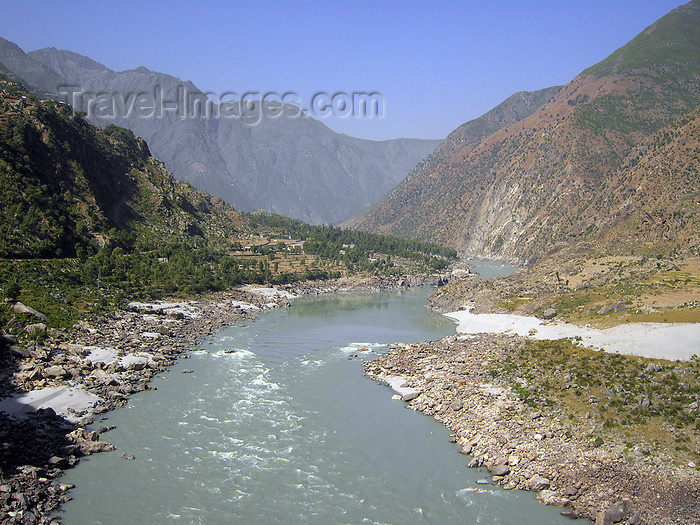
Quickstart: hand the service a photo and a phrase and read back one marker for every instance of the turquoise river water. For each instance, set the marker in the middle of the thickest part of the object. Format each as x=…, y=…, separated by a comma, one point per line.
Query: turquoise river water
x=287, y=430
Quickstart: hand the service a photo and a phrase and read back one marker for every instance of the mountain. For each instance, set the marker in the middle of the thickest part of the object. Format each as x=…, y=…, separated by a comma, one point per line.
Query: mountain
x=21, y=84
x=89, y=217
x=554, y=178
x=69, y=188
x=33, y=72
x=654, y=203
x=512, y=110
x=294, y=166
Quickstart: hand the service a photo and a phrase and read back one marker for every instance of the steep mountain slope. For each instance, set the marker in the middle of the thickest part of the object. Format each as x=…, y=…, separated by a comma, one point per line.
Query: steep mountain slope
x=515, y=108
x=654, y=204
x=541, y=183
x=22, y=84
x=69, y=188
x=293, y=166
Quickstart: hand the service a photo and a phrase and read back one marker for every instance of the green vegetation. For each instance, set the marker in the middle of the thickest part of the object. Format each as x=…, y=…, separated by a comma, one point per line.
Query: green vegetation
x=641, y=110
x=513, y=303
x=663, y=60
x=58, y=179
x=640, y=401
x=672, y=40
x=65, y=289
x=89, y=220
x=356, y=249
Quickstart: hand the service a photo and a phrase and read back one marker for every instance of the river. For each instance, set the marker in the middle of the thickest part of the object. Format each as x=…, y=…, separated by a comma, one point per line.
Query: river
x=286, y=429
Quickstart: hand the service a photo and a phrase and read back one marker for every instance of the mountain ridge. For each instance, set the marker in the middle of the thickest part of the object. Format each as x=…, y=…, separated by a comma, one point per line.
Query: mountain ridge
x=536, y=186
x=31, y=71
x=513, y=109
x=329, y=177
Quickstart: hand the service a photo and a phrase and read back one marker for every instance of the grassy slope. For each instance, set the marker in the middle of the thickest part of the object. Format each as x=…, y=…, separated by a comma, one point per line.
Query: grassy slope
x=647, y=406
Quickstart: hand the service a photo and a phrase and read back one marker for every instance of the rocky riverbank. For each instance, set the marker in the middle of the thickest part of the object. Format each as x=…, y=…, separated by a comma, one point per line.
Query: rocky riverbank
x=600, y=290
x=536, y=448
x=71, y=378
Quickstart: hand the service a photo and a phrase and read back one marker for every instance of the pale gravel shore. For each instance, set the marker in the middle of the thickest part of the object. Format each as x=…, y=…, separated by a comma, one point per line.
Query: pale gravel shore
x=672, y=341
x=60, y=399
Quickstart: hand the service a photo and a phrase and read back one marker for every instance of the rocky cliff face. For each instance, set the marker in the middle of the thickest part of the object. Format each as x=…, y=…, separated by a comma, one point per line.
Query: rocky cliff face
x=554, y=178
x=294, y=166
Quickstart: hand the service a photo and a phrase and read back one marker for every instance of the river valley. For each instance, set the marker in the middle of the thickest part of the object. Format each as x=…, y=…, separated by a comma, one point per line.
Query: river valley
x=277, y=424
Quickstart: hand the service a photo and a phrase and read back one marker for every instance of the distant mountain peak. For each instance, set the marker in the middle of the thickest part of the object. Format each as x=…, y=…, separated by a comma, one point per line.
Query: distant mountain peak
x=31, y=71
x=294, y=166
x=70, y=57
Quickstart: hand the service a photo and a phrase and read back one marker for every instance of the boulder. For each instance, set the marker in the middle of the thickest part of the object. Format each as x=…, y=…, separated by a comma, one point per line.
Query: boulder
x=619, y=306
x=410, y=396
x=500, y=470
x=475, y=462
x=549, y=313
x=59, y=462
x=55, y=372
x=56, y=334
x=538, y=483
x=653, y=367
x=92, y=447
x=616, y=512
x=551, y=497
x=136, y=365
x=21, y=500
x=47, y=412
x=7, y=340
x=21, y=308
x=163, y=330
x=20, y=352
x=104, y=378
x=80, y=434
x=570, y=491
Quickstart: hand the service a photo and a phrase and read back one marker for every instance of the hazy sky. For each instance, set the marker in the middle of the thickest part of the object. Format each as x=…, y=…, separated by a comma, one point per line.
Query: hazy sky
x=436, y=64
